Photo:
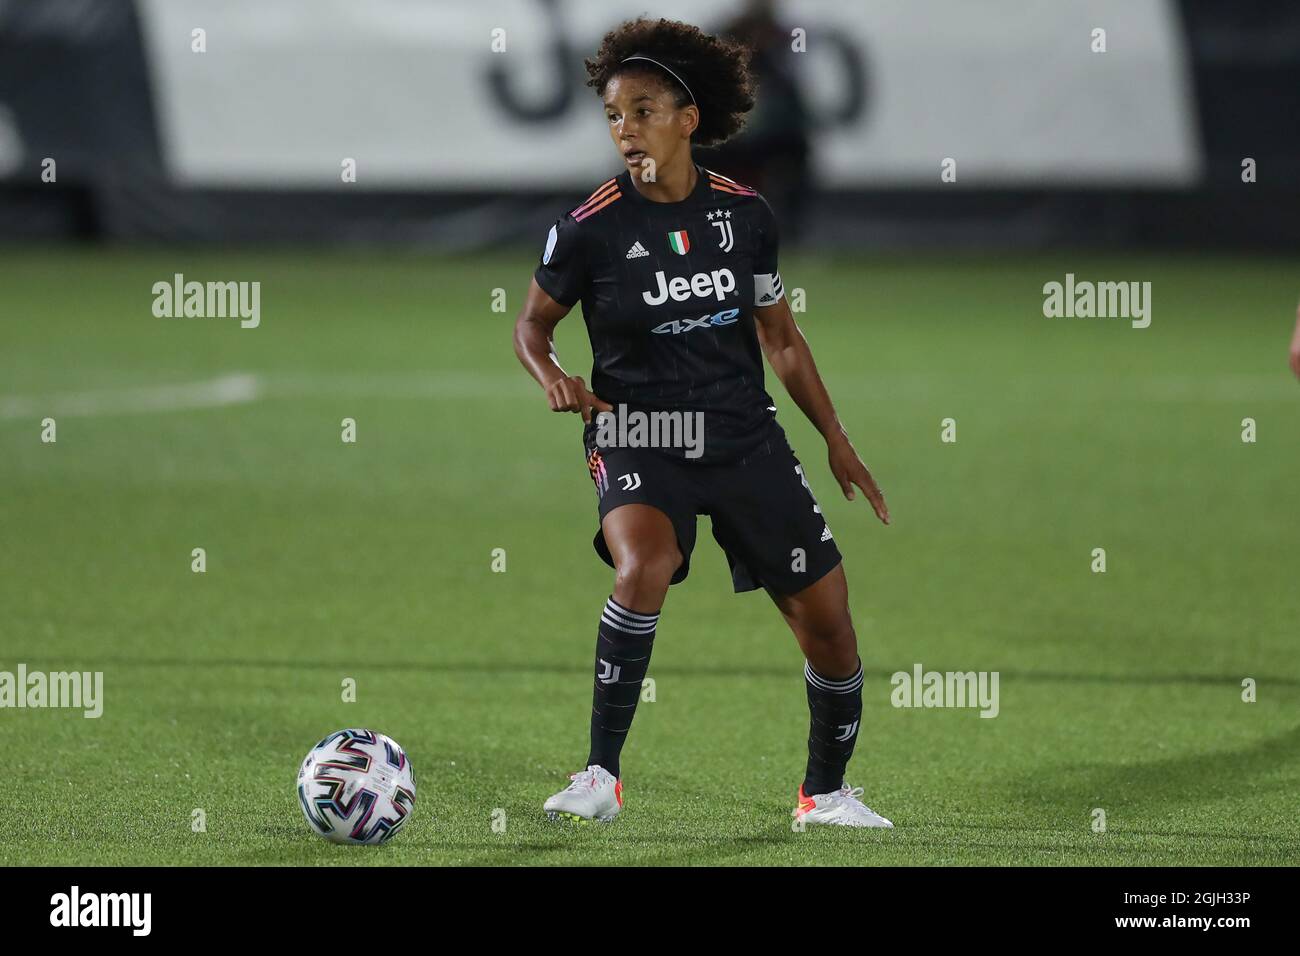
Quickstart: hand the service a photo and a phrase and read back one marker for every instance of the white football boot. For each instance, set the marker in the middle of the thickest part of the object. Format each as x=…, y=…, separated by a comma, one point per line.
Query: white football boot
x=594, y=794
x=841, y=808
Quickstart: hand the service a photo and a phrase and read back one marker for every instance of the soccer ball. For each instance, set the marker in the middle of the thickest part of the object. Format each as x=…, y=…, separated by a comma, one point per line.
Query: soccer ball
x=356, y=786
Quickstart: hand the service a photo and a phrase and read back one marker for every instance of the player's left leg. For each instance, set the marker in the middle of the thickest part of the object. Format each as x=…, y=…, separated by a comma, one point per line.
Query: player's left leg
x=819, y=617
x=775, y=537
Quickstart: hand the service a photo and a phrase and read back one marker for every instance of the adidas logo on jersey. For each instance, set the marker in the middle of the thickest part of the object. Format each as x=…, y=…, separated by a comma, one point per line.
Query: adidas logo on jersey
x=826, y=532
x=637, y=251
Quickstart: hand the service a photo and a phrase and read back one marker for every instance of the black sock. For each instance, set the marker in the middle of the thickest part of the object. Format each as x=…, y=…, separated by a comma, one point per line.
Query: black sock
x=835, y=707
x=623, y=645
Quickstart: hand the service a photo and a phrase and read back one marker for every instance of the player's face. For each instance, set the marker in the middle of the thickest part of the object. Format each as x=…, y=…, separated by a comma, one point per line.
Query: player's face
x=644, y=121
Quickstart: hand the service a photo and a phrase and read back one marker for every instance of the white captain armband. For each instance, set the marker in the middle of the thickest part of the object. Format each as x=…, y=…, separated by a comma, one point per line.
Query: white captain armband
x=767, y=289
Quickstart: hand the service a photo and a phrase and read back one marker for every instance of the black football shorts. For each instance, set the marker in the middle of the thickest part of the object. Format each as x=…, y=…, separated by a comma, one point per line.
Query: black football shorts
x=763, y=511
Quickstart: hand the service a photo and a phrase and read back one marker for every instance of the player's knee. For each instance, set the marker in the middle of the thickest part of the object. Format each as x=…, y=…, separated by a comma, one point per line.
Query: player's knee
x=832, y=650
x=835, y=635
x=647, y=573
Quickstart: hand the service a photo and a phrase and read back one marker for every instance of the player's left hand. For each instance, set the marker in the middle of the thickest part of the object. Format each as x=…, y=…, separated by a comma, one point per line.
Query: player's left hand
x=849, y=470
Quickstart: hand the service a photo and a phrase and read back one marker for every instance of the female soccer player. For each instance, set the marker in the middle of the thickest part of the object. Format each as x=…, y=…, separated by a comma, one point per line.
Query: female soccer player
x=676, y=269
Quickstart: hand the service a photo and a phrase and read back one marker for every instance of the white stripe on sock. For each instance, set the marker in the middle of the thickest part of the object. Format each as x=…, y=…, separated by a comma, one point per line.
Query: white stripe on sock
x=631, y=615
x=626, y=628
x=846, y=686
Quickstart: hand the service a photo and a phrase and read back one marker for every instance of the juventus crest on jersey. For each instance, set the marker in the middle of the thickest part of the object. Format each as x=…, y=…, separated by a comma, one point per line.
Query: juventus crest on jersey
x=668, y=293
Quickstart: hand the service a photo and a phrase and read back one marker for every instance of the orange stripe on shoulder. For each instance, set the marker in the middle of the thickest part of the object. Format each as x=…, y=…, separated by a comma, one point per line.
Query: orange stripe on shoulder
x=599, y=189
x=726, y=184
x=590, y=210
x=723, y=188
x=597, y=196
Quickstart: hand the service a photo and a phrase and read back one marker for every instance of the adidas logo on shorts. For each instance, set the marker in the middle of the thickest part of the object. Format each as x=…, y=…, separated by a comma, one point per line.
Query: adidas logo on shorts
x=637, y=251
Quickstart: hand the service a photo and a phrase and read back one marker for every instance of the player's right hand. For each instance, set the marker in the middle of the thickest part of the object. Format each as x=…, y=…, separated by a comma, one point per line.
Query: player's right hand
x=570, y=394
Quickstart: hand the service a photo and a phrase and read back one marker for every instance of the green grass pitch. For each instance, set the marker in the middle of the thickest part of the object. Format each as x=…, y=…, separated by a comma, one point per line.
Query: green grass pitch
x=372, y=561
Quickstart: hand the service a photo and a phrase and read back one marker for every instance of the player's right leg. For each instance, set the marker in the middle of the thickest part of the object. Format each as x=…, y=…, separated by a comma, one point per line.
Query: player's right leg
x=643, y=543
x=645, y=546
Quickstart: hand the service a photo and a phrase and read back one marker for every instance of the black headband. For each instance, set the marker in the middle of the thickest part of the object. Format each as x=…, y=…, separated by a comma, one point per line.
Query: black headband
x=641, y=56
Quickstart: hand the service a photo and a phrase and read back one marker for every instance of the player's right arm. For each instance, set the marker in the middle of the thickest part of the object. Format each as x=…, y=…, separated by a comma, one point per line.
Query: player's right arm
x=535, y=346
x=557, y=284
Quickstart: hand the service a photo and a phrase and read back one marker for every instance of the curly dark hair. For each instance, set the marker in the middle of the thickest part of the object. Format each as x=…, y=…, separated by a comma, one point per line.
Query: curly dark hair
x=716, y=70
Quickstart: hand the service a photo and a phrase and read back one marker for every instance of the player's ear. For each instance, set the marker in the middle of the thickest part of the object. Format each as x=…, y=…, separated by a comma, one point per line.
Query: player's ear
x=690, y=120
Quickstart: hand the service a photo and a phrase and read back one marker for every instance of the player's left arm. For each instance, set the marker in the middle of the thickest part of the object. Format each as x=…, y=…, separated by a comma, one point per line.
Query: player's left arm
x=790, y=357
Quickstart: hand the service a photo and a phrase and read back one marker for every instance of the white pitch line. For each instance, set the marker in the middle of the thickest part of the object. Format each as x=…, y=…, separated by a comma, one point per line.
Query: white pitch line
x=235, y=389
x=433, y=384
x=238, y=388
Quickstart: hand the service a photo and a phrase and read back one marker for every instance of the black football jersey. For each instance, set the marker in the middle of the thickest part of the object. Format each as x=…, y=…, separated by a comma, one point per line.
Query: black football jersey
x=668, y=292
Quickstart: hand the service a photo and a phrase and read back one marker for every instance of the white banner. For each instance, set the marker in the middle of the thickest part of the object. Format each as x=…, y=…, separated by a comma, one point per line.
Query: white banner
x=1014, y=91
